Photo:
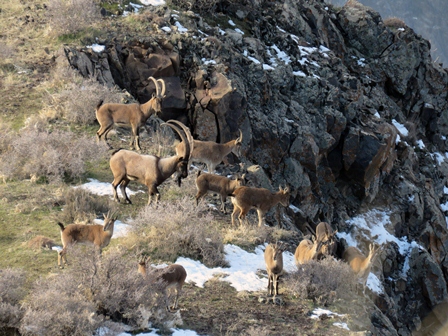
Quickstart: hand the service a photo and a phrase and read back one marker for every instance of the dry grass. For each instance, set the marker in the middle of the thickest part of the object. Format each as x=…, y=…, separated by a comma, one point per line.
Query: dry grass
x=72, y=16
x=324, y=282
x=76, y=301
x=12, y=291
x=53, y=156
x=81, y=206
x=178, y=228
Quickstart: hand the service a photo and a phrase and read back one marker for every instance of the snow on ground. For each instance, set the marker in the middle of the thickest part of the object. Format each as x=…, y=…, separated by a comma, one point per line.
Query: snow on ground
x=102, y=188
x=372, y=226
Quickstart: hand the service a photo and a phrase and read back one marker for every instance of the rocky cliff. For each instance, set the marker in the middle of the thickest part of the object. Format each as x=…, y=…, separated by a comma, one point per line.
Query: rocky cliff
x=350, y=112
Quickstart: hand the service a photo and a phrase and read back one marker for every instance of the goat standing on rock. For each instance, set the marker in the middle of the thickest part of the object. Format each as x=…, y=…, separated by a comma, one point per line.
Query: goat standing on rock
x=129, y=114
x=96, y=234
x=359, y=263
x=261, y=199
x=273, y=257
x=150, y=170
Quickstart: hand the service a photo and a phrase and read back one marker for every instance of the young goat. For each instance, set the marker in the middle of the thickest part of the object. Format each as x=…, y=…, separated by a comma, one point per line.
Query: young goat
x=307, y=250
x=273, y=257
x=172, y=276
x=149, y=170
x=359, y=263
x=220, y=184
x=261, y=199
x=129, y=114
x=326, y=236
x=212, y=153
x=97, y=235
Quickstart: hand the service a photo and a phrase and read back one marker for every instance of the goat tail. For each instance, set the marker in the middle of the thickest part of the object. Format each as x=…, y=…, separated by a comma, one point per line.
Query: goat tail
x=198, y=173
x=99, y=104
x=61, y=226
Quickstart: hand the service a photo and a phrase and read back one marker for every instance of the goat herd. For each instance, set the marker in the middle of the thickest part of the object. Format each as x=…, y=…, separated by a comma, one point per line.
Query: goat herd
x=152, y=171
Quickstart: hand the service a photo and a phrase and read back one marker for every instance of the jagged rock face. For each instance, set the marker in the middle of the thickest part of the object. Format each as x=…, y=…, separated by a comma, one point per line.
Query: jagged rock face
x=322, y=119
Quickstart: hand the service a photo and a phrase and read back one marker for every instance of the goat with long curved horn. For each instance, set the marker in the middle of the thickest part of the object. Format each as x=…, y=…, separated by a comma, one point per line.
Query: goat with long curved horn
x=149, y=170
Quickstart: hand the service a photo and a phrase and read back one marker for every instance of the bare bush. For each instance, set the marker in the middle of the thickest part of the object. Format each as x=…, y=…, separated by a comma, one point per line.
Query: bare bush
x=72, y=16
x=52, y=156
x=179, y=228
x=78, y=100
x=81, y=206
x=76, y=301
x=11, y=294
x=324, y=281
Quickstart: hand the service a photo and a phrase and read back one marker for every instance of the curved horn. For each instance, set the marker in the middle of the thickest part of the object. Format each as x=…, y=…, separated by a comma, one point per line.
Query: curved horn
x=163, y=87
x=240, y=138
x=155, y=84
x=188, y=134
x=182, y=135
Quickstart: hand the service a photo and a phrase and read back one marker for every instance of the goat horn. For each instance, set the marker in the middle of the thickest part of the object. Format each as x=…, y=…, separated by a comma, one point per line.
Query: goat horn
x=240, y=138
x=183, y=137
x=188, y=134
x=155, y=84
x=163, y=87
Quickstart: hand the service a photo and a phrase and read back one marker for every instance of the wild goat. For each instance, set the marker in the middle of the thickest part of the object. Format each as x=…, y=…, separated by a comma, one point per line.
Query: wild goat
x=212, y=153
x=261, y=199
x=307, y=250
x=359, y=263
x=150, y=170
x=220, y=184
x=326, y=236
x=97, y=235
x=273, y=257
x=129, y=114
x=172, y=276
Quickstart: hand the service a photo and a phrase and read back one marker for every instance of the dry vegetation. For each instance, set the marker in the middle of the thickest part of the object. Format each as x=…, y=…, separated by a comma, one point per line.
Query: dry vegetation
x=47, y=145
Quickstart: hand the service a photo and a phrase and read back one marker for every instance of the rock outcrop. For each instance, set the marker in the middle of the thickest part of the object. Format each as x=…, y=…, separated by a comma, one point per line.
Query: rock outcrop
x=349, y=112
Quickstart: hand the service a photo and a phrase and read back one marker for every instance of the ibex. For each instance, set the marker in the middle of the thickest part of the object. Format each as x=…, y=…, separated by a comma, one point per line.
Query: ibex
x=219, y=184
x=261, y=199
x=150, y=170
x=172, y=276
x=306, y=251
x=97, y=235
x=212, y=153
x=273, y=257
x=359, y=263
x=326, y=236
x=129, y=114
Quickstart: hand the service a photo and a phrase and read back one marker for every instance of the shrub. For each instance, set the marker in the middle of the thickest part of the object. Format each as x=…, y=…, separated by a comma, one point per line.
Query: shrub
x=323, y=281
x=179, y=228
x=11, y=293
x=76, y=97
x=72, y=16
x=80, y=205
x=76, y=301
x=52, y=156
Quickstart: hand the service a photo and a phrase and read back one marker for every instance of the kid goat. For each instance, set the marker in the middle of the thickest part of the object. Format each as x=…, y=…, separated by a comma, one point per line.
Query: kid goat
x=261, y=199
x=129, y=114
x=212, y=153
x=150, y=170
x=172, y=276
x=273, y=257
x=220, y=184
x=306, y=251
x=97, y=235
